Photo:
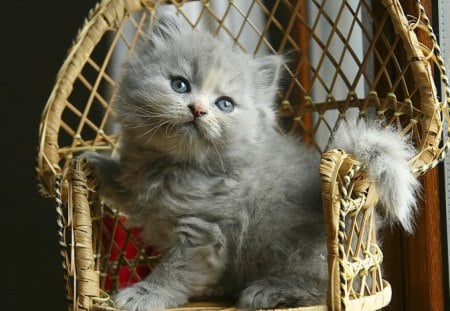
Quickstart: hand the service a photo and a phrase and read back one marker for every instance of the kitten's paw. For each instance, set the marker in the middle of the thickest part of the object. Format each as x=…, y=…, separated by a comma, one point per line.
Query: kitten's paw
x=271, y=293
x=91, y=155
x=144, y=298
x=95, y=162
x=107, y=171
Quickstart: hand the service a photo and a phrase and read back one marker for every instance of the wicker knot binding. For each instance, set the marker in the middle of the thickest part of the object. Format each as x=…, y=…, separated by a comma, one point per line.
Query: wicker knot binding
x=396, y=71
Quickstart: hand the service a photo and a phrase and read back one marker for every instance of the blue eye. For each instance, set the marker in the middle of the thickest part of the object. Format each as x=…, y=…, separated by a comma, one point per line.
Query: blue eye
x=225, y=104
x=180, y=85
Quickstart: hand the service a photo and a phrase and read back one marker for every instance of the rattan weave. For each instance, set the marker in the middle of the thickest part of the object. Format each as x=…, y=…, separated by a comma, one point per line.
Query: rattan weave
x=391, y=78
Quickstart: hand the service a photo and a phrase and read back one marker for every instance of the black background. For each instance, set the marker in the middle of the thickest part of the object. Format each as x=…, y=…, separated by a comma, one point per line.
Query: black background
x=35, y=37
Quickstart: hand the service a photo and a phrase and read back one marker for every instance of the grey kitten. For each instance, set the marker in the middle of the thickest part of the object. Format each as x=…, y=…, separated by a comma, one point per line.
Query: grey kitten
x=233, y=204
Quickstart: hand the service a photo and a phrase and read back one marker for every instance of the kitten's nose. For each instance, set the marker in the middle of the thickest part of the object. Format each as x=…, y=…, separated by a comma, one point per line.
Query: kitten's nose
x=197, y=110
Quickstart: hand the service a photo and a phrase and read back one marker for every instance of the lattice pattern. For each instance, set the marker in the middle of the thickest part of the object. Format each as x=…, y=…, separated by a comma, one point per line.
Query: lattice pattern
x=345, y=58
x=361, y=256
x=124, y=258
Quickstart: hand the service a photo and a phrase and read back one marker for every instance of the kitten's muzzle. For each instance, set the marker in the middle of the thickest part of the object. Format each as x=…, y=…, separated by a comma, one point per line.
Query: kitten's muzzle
x=198, y=110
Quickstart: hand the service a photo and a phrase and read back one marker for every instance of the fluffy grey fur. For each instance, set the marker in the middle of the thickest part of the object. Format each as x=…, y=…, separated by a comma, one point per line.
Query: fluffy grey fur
x=234, y=205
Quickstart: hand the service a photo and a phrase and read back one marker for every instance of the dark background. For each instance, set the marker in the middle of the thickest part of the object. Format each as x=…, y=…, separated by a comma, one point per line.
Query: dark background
x=35, y=38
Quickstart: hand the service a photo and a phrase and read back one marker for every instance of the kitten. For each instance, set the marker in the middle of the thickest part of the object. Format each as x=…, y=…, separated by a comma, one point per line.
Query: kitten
x=232, y=203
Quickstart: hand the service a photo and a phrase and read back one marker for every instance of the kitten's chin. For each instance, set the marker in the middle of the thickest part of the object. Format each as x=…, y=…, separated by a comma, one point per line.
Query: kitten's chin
x=200, y=130
x=190, y=126
x=188, y=139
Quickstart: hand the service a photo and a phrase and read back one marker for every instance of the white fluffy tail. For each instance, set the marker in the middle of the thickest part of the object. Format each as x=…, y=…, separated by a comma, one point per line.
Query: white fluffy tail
x=386, y=153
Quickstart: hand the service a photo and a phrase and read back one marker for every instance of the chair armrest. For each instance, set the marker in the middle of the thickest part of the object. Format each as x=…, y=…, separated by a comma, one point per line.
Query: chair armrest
x=354, y=258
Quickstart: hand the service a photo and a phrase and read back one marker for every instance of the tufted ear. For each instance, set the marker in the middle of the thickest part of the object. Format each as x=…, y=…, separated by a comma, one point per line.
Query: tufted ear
x=167, y=25
x=268, y=72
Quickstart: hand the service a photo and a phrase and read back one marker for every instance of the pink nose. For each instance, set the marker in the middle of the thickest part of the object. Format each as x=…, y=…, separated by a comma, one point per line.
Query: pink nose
x=197, y=110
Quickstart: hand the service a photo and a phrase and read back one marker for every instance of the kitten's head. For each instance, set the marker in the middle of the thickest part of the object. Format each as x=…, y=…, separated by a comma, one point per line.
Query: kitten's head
x=187, y=94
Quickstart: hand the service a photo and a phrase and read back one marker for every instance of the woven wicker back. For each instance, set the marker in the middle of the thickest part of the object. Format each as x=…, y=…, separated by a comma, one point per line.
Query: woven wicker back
x=347, y=57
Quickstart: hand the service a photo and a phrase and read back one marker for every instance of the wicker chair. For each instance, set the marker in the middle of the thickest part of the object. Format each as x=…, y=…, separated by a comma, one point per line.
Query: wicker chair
x=391, y=78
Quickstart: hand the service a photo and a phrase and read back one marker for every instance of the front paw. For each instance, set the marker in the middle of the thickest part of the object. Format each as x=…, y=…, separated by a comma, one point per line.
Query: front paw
x=142, y=297
x=95, y=161
x=106, y=171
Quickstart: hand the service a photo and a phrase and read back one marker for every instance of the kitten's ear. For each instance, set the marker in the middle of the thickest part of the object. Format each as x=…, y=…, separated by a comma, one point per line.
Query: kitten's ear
x=167, y=25
x=268, y=72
